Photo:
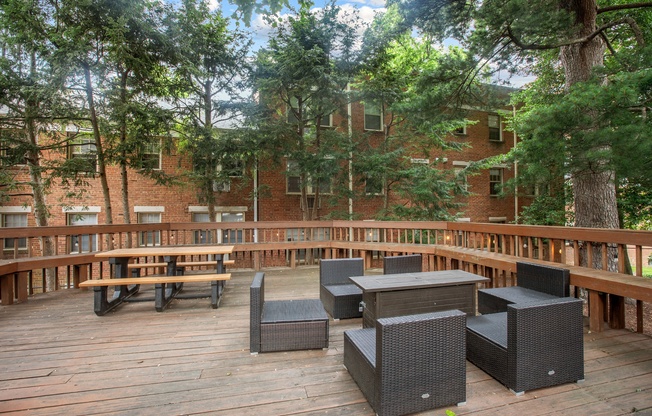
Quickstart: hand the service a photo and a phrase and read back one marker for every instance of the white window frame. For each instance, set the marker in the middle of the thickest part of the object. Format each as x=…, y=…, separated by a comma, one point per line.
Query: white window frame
x=294, y=105
x=80, y=216
x=380, y=183
x=151, y=151
x=201, y=236
x=309, y=189
x=491, y=128
x=6, y=152
x=368, y=107
x=493, y=181
x=460, y=131
x=149, y=238
x=84, y=147
x=14, y=212
x=461, y=178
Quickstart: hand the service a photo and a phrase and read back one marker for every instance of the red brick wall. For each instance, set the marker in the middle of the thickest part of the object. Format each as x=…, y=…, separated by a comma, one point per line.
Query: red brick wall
x=274, y=203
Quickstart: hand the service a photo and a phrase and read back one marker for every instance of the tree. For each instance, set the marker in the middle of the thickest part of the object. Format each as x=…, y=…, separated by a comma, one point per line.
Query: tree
x=301, y=78
x=33, y=103
x=412, y=81
x=511, y=33
x=213, y=70
x=135, y=120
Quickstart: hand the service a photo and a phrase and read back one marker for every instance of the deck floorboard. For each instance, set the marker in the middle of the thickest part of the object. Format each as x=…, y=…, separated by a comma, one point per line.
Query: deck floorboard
x=58, y=358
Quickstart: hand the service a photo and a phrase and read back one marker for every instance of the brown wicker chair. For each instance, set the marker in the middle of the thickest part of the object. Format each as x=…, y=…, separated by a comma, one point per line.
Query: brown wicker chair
x=410, y=263
x=341, y=298
x=410, y=363
x=532, y=345
x=284, y=325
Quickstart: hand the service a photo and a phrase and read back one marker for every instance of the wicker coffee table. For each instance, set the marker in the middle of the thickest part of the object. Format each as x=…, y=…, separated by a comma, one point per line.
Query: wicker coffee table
x=412, y=293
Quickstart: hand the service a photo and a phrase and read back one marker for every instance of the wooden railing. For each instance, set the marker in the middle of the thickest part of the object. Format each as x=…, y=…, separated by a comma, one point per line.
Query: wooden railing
x=488, y=249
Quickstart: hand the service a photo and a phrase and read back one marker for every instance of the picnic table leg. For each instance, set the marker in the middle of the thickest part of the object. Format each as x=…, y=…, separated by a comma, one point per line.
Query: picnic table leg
x=163, y=296
x=219, y=267
x=120, y=270
x=101, y=304
x=217, y=288
x=172, y=270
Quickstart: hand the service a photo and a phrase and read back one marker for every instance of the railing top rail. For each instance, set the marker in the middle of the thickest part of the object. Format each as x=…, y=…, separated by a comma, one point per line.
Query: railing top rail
x=609, y=236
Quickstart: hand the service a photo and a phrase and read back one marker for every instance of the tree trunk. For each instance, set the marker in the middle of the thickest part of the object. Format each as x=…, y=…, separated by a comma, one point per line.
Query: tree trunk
x=124, y=177
x=101, y=163
x=594, y=190
x=41, y=212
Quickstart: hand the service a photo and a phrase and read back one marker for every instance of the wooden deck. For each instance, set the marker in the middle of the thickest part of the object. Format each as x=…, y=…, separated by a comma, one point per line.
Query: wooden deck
x=58, y=357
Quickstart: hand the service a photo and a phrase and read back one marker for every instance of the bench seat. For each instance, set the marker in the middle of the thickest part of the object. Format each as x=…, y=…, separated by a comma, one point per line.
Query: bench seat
x=136, y=267
x=166, y=288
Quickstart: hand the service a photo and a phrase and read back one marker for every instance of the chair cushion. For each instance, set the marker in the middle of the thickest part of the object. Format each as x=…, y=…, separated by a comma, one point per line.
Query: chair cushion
x=517, y=294
x=365, y=341
x=343, y=290
x=492, y=327
x=300, y=310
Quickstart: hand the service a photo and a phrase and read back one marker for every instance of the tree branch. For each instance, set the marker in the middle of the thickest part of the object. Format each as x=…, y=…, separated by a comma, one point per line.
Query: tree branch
x=587, y=38
x=624, y=7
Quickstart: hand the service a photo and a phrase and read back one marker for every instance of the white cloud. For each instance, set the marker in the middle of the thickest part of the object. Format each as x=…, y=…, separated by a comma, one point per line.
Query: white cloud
x=213, y=4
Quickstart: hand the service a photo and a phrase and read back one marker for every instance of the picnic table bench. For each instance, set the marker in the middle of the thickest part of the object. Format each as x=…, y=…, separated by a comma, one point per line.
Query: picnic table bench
x=137, y=267
x=166, y=288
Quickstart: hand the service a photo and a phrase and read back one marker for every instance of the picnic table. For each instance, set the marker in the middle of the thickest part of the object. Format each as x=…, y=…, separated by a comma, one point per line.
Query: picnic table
x=167, y=286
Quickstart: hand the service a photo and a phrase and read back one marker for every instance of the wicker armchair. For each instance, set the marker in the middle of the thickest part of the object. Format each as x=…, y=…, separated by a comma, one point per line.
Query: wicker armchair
x=341, y=298
x=409, y=363
x=410, y=263
x=535, y=282
x=284, y=325
x=532, y=345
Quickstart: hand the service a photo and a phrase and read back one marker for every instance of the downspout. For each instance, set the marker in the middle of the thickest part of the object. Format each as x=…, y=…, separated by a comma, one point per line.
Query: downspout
x=256, y=199
x=350, y=126
x=515, y=173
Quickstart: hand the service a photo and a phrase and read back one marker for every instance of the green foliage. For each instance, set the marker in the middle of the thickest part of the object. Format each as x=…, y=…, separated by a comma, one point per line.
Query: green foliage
x=211, y=72
x=301, y=78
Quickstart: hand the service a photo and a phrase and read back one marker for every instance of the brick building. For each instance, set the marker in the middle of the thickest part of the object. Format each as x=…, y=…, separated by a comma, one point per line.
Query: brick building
x=150, y=202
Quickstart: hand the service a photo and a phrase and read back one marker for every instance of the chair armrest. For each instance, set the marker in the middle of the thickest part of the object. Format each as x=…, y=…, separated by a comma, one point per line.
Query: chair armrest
x=545, y=343
x=420, y=361
x=256, y=302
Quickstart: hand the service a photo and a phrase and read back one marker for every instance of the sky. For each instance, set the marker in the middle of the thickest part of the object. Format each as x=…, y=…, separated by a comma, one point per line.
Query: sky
x=260, y=30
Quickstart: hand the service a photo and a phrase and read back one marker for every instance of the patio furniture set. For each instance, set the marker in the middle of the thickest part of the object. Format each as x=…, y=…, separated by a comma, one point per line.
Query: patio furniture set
x=527, y=337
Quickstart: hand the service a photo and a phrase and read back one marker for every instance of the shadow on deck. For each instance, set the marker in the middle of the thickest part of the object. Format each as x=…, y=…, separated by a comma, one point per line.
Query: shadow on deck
x=58, y=357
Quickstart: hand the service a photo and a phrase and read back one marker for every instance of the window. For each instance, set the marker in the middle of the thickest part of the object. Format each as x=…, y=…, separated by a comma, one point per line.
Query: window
x=294, y=181
x=14, y=220
x=460, y=131
x=373, y=185
x=495, y=181
x=234, y=235
x=372, y=235
x=232, y=167
x=461, y=179
x=293, y=110
x=13, y=155
x=82, y=243
x=373, y=118
x=149, y=238
x=151, y=156
x=495, y=131
x=201, y=236
x=84, y=150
